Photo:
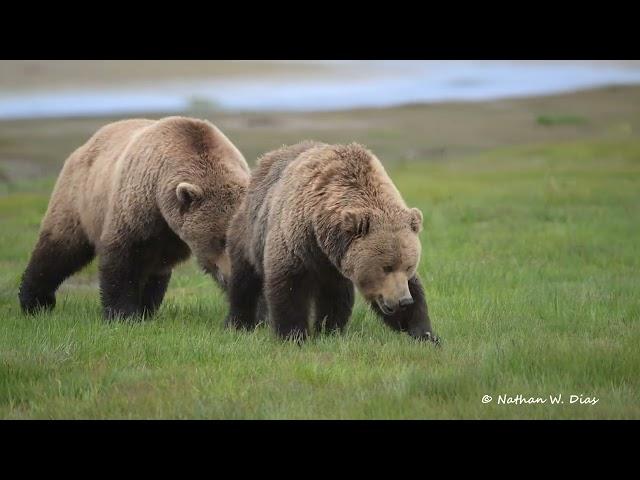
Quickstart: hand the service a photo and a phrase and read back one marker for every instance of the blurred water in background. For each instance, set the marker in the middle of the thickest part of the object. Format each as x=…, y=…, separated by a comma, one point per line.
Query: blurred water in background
x=344, y=85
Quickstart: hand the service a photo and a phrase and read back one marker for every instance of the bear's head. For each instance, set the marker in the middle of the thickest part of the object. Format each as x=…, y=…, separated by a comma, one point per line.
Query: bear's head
x=204, y=213
x=383, y=254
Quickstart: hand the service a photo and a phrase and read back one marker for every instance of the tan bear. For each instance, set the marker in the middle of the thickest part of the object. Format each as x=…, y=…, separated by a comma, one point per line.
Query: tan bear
x=317, y=220
x=142, y=195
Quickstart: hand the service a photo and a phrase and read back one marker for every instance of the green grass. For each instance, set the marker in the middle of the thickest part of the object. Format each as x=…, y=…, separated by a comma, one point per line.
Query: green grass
x=551, y=120
x=532, y=268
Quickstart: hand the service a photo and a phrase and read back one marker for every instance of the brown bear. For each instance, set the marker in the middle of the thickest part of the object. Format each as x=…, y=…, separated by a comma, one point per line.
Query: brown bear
x=318, y=219
x=142, y=195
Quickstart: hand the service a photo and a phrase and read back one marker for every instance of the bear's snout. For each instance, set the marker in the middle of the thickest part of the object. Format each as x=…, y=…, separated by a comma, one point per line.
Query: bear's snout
x=406, y=301
x=388, y=307
x=392, y=306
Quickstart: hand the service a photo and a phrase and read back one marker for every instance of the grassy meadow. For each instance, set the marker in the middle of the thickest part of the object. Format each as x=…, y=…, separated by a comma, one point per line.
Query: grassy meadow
x=531, y=261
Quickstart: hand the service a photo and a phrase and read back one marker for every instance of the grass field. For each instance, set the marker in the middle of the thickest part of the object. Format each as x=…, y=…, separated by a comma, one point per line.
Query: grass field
x=531, y=264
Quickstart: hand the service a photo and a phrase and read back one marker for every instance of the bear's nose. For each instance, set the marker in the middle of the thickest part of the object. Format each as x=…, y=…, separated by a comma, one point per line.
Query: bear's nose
x=406, y=301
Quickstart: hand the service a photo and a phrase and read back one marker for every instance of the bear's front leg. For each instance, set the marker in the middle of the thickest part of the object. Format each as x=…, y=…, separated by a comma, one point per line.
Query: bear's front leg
x=121, y=283
x=262, y=313
x=287, y=292
x=413, y=319
x=244, y=289
x=153, y=292
x=334, y=302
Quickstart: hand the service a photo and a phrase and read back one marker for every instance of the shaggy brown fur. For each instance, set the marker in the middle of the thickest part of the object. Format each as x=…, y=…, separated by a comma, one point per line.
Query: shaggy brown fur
x=317, y=220
x=143, y=195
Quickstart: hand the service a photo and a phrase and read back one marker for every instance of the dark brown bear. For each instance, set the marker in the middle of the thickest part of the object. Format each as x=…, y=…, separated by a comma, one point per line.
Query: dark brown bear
x=142, y=195
x=317, y=220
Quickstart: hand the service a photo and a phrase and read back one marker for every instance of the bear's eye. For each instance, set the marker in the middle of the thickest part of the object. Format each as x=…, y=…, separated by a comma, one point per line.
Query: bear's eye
x=409, y=269
x=387, y=269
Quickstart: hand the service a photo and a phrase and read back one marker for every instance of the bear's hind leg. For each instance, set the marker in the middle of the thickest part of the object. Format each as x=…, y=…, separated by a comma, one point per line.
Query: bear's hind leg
x=52, y=261
x=244, y=290
x=334, y=303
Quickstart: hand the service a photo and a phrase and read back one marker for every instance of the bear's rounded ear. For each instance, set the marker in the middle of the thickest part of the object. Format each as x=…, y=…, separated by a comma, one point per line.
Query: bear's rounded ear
x=355, y=222
x=415, y=220
x=188, y=193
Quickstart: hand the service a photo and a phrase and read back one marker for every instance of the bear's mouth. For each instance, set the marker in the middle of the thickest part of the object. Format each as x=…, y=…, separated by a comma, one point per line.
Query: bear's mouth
x=383, y=307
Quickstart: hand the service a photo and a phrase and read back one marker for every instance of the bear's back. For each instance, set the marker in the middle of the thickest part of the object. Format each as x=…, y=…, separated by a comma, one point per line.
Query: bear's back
x=184, y=140
x=265, y=179
x=135, y=156
x=271, y=165
x=83, y=186
x=269, y=170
